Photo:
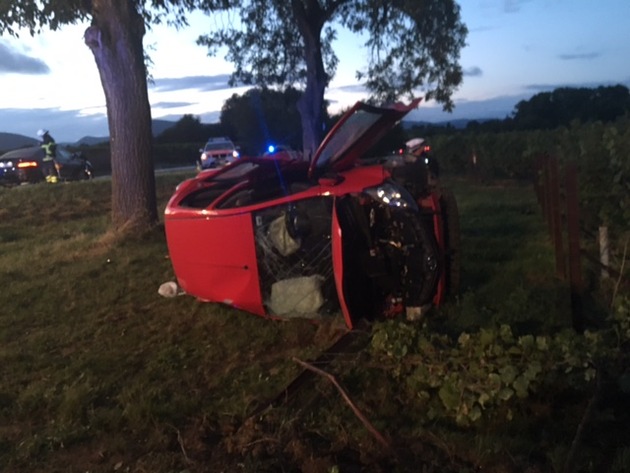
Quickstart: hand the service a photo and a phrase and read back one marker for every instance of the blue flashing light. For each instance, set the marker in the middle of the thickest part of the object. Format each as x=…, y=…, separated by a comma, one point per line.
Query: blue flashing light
x=271, y=148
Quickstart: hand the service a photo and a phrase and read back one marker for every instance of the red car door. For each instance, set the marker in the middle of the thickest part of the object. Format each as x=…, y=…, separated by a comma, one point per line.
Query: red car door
x=215, y=259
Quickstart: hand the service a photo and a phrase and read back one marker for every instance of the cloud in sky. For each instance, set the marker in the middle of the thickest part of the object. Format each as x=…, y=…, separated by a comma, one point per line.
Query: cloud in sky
x=209, y=117
x=513, y=6
x=64, y=125
x=13, y=61
x=171, y=104
x=354, y=88
x=473, y=71
x=203, y=83
x=579, y=56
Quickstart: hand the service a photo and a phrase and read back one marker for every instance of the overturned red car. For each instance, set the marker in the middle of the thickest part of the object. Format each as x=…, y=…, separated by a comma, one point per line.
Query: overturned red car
x=346, y=234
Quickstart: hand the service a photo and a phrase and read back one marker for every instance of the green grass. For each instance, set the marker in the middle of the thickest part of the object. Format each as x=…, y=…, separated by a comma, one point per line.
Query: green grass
x=508, y=273
x=93, y=359
x=100, y=373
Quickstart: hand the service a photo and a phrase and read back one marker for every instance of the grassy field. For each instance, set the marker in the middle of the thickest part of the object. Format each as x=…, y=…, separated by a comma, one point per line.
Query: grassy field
x=99, y=373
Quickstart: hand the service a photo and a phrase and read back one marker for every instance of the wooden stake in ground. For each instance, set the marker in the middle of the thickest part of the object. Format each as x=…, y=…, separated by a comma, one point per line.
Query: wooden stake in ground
x=368, y=425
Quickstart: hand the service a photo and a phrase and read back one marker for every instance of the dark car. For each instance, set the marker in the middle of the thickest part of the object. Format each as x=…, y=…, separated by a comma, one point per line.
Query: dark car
x=348, y=234
x=24, y=166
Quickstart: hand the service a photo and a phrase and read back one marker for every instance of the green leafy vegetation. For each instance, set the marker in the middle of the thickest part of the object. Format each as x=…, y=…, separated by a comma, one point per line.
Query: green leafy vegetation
x=99, y=373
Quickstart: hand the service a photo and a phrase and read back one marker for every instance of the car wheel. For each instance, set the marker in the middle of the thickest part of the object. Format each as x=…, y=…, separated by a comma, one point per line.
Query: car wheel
x=452, y=240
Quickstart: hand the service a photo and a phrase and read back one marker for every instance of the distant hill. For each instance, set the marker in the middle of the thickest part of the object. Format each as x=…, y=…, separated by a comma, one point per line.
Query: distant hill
x=92, y=140
x=459, y=123
x=160, y=125
x=9, y=141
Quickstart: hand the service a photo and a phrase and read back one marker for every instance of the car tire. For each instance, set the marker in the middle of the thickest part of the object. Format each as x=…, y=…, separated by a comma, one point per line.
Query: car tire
x=452, y=240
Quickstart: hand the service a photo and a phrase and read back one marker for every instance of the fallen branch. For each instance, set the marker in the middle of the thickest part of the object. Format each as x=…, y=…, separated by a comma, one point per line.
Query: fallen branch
x=180, y=441
x=368, y=425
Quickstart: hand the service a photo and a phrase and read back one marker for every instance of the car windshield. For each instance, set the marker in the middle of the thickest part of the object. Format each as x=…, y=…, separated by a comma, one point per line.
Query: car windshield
x=64, y=154
x=218, y=145
x=348, y=134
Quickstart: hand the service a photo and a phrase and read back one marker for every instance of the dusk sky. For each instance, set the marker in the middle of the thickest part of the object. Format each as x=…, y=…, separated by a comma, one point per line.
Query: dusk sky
x=515, y=49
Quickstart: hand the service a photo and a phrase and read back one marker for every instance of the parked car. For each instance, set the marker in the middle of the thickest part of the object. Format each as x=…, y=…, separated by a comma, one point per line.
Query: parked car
x=24, y=166
x=216, y=153
x=346, y=234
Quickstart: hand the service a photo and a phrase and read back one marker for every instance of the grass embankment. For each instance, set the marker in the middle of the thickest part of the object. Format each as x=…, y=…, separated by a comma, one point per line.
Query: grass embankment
x=99, y=373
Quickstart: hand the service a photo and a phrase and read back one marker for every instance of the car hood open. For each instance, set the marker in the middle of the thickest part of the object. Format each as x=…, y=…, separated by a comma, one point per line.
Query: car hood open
x=354, y=134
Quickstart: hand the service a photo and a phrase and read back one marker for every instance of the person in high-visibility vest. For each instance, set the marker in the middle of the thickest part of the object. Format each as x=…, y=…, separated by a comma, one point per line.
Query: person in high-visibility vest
x=48, y=161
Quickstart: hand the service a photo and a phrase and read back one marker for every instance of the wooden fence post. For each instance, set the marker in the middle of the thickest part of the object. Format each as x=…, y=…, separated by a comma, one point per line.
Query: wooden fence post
x=546, y=192
x=539, y=184
x=604, y=251
x=573, y=229
x=556, y=217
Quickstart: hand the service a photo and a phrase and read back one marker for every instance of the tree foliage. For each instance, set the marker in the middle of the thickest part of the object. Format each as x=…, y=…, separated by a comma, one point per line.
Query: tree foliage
x=189, y=129
x=261, y=117
x=411, y=45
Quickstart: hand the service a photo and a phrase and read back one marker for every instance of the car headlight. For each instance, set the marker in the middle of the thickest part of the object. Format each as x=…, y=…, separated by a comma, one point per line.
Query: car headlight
x=390, y=194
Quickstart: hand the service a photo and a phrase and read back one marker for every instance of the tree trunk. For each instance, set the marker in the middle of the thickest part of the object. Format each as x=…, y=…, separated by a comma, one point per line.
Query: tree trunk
x=115, y=39
x=310, y=105
x=310, y=108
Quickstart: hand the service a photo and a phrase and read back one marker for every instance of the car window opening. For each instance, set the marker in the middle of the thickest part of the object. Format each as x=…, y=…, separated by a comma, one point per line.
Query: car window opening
x=294, y=252
x=202, y=198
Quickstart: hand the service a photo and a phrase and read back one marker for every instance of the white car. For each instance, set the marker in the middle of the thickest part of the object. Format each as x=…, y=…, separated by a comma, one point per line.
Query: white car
x=217, y=153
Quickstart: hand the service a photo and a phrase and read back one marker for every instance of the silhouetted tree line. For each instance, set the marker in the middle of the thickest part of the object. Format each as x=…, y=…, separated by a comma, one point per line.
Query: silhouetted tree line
x=189, y=129
x=254, y=120
x=266, y=116
x=258, y=118
x=263, y=116
x=562, y=107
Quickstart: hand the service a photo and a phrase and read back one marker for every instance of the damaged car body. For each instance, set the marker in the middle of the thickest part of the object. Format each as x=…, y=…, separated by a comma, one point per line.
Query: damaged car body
x=345, y=234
